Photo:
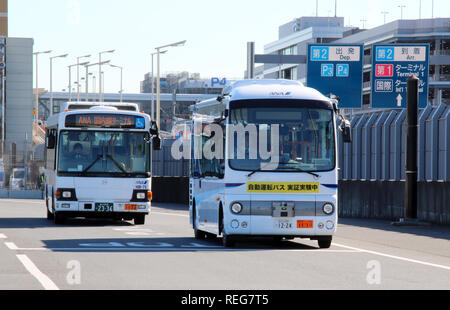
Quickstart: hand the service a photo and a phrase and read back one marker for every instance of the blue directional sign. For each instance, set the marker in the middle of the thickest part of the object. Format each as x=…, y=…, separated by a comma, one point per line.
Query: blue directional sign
x=338, y=70
x=392, y=65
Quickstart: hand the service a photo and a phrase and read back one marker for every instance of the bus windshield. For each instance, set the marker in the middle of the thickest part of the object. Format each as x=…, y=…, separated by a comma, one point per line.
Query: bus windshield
x=306, y=136
x=103, y=153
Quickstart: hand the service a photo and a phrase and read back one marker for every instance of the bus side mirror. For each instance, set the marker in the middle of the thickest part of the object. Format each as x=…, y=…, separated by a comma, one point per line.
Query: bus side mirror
x=156, y=141
x=346, y=131
x=154, y=131
x=50, y=141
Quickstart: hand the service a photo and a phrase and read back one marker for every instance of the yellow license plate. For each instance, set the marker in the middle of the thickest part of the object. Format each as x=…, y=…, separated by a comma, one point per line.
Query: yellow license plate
x=305, y=224
x=131, y=207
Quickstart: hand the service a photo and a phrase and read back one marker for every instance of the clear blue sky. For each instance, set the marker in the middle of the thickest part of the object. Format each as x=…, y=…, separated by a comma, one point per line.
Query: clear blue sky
x=216, y=31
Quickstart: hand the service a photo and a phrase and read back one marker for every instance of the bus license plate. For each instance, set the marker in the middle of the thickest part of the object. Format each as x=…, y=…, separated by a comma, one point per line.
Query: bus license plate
x=131, y=207
x=284, y=225
x=305, y=224
x=104, y=207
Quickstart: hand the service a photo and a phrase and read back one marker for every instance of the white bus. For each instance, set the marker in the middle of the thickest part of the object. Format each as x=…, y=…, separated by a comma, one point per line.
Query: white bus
x=98, y=162
x=297, y=197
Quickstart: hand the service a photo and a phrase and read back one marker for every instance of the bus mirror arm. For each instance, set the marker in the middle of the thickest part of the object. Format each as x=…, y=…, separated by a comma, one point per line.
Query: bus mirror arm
x=51, y=141
x=154, y=131
x=346, y=129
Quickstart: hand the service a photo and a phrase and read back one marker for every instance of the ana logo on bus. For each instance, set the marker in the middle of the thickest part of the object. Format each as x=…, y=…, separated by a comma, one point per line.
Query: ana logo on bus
x=280, y=94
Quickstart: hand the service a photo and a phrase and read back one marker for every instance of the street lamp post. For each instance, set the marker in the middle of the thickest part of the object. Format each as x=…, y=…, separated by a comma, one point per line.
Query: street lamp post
x=158, y=79
x=51, y=80
x=78, y=74
x=401, y=10
x=121, y=76
x=87, y=76
x=70, y=77
x=153, y=87
x=37, y=84
x=100, y=92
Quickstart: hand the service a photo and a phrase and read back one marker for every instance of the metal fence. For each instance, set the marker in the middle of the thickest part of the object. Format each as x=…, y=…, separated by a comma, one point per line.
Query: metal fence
x=21, y=166
x=164, y=165
x=378, y=150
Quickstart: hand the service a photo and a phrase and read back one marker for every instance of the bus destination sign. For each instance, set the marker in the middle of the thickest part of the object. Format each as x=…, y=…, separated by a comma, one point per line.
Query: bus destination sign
x=105, y=121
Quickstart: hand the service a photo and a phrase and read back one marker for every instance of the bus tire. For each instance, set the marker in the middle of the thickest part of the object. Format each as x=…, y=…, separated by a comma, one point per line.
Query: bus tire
x=227, y=240
x=58, y=218
x=325, y=243
x=139, y=219
x=49, y=214
x=198, y=234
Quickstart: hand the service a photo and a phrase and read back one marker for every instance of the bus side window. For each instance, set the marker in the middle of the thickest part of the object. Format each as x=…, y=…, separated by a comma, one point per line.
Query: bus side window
x=51, y=152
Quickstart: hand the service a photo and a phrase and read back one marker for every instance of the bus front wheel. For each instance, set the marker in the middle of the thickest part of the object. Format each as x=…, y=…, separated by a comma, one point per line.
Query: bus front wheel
x=139, y=219
x=58, y=218
x=227, y=240
x=49, y=214
x=325, y=243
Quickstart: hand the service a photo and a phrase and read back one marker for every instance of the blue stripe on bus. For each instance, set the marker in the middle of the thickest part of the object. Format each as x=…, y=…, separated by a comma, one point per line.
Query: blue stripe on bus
x=234, y=184
x=332, y=186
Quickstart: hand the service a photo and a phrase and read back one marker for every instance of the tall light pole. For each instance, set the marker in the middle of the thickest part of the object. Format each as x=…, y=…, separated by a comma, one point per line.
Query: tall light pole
x=37, y=84
x=158, y=80
x=100, y=78
x=121, y=76
x=401, y=10
x=420, y=9
x=78, y=74
x=432, y=8
x=51, y=80
x=363, y=23
x=3, y=76
x=384, y=13
x=153, y=87
x=70, y=77
x=87, y=76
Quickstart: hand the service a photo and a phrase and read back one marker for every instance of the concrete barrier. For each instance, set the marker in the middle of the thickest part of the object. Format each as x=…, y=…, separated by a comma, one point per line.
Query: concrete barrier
x=170, y=189
x=21, y=194
x=385, y=200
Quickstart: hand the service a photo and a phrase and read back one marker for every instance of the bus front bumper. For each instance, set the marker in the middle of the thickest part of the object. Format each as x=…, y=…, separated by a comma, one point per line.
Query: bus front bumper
x=102, y=208
x=299, y=226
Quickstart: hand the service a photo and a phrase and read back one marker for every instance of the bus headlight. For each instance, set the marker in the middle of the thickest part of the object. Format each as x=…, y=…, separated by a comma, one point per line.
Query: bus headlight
x=236, y=208
x=67, y=194
x=328, y=208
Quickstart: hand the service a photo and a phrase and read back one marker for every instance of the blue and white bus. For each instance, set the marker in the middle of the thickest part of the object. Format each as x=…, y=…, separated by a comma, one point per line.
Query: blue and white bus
x=98, y=162
x=253, y=195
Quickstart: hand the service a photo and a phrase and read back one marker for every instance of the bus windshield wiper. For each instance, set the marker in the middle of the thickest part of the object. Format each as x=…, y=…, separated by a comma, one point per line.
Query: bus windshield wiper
x=117, y=164
x=92, y=164
x=300, y=170
x=259, y=169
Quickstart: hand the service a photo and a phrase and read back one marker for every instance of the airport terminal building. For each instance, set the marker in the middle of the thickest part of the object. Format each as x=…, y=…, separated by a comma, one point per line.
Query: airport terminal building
x=295, y=36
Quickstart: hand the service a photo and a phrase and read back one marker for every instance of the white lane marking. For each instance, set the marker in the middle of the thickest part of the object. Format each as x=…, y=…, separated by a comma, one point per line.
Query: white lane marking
x=2, y=236
x=35, y=272
x=136, y=233
x=393, y=256
x=133, y=229
x=11, y=246
x=172, y=214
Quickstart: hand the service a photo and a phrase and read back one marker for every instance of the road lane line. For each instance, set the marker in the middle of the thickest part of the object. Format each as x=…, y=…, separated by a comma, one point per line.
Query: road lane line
x=173, y=214
x=393, y=256
x=11, y=246
x=35, y=272
x=2, y=236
